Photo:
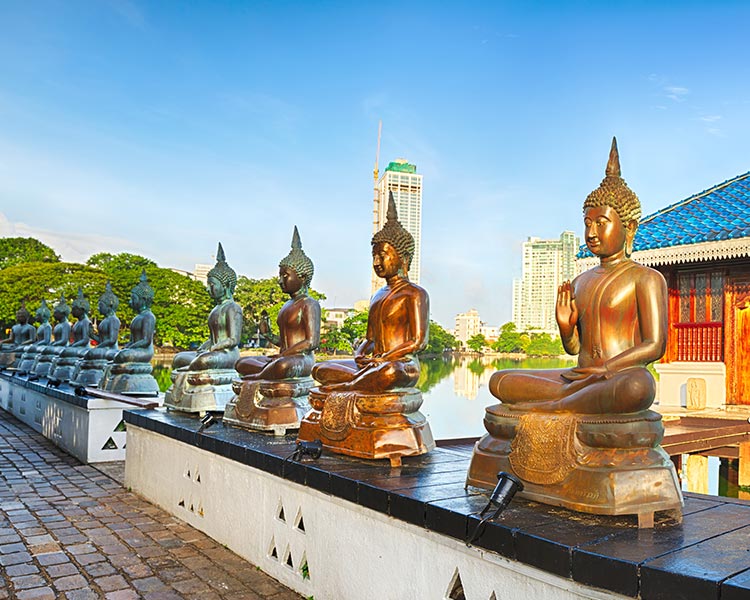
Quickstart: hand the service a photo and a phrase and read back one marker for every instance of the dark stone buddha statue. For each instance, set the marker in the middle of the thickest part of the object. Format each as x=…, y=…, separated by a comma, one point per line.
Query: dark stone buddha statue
x=68, y=359
x=61, y=337
x=201, y=381
x=95, y=360
x=42, y=338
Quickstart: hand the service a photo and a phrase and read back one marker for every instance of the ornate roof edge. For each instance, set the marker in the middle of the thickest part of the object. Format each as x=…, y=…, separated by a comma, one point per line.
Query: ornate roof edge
x=697, y=196
x=685, y=253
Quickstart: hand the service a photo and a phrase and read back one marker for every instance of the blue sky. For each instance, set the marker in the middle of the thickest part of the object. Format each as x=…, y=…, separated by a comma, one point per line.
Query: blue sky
x=163, y=127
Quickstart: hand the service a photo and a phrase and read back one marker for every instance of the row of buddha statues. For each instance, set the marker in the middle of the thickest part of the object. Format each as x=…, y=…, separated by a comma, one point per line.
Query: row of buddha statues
x=64, y=353
x=583, y=437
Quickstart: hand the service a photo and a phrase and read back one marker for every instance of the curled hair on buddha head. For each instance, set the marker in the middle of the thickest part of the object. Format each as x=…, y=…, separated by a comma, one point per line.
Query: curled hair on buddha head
x=298, y=260
x=43, y=313
x=63, y=307
x=395, y=234
x=614, y=192
x=23, y=312
x=223, y=272
x=109, y=299
x=143, y=291
x=81, y=302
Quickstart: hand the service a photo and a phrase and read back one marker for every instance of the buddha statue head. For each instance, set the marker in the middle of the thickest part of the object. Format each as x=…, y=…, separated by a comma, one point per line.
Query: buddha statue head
x=80, y=306
x=108, y=302
x=43, y=314
x=298, y=262
x=62, y=309
x=22, y=314
x=142, y=295
x=395, y=235
x=222, y=274
x=614, y=193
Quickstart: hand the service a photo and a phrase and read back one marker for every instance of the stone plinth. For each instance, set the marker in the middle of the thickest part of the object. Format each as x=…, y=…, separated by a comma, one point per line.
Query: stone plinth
x=46, y=360
x=130, y=379
x=675, y=388
x=66, y=364
x=265, y=405
x=601, y=464
x=200, y=391
x=387, y=425
x=89, y=372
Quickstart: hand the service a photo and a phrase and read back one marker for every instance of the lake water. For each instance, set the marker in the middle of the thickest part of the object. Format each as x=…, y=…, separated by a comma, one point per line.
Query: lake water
x=456, y=395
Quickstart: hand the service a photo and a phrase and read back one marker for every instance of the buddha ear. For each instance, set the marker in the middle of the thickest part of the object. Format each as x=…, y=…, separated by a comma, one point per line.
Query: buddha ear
x=630, y=230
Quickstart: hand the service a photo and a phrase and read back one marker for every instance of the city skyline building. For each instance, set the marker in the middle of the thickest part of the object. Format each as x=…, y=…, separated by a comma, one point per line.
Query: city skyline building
x=468, y=324
x=400, y=178
x=545, y=265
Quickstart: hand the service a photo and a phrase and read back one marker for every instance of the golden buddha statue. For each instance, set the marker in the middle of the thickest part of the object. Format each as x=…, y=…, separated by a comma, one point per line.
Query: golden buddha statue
x=368, y=406
x=201, y=381
x=272, y=392
x=614, y=316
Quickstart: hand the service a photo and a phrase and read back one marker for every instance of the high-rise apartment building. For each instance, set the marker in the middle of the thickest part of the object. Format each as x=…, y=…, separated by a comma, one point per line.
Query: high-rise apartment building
x=402, y=179
x=468, y=324
x=546, y=264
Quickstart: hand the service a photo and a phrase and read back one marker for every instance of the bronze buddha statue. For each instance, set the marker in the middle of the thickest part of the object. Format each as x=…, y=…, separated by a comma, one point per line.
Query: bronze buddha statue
x=201, y=381
x=61, y=337
x=95, y=360
x=272, y=392
x=614, y=316
x=42, y=339
x=368, y=406
x=131, y=371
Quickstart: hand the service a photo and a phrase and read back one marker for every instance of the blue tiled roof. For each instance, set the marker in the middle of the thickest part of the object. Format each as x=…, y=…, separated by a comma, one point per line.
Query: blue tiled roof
x=718, y=213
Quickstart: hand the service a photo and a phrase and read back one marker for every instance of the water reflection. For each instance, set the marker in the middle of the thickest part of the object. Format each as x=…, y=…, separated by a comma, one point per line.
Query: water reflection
x=455, y=390
x=718, y=476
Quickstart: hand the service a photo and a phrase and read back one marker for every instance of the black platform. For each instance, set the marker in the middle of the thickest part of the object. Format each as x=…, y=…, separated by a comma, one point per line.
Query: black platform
x=706, y=557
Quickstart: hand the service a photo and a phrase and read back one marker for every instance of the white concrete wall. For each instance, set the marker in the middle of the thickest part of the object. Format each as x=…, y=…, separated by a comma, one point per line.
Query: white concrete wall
x=351, y=552
x=673, y=382
x=82, y=432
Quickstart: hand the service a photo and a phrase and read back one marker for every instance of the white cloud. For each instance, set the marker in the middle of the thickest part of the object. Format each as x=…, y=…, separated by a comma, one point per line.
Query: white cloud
x=710, y=118
x=76, y=247
x=676, y=93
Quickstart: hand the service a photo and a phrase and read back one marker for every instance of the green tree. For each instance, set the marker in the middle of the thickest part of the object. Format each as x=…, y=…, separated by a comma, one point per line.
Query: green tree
x=36, y=280
x=542, y=344
x=18, y=250
x=181, y=304
x=476, y=342
x=332, y=340
x=509, y=339
x=354, y=328
x=439, y=340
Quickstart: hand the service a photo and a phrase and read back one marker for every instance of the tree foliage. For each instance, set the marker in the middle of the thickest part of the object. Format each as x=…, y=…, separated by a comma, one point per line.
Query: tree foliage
x=35, y=281
x=543, y=344
x=181, y=304
x=440, y=340
x=18, y=250
x=511, y=340
x=476, y=342
x=434, y=371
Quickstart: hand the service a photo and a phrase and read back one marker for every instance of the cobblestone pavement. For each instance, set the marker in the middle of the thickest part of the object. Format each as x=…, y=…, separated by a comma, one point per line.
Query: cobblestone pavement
x=69, y=531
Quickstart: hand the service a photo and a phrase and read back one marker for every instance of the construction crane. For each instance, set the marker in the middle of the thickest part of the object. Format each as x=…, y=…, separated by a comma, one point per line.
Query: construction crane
x=375, y=174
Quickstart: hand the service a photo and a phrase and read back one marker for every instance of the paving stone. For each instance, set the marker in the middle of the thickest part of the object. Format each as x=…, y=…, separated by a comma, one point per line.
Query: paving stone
x=94, y=539
x=71, y=582
x=44, y=593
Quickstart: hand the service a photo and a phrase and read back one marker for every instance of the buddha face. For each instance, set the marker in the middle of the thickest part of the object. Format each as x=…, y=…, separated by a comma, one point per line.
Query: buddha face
x=385, y=260
x=605, y=232
x=22, y=317
x=289, y=282
x=216, y=288
x=77, y=312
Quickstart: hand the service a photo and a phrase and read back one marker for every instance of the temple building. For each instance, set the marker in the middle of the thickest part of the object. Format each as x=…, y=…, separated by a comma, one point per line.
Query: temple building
x=401, y=178
x=702, y=247
x=546, y=264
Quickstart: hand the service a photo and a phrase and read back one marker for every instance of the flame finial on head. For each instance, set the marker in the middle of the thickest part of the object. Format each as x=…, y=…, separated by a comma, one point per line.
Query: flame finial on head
x=222, y=271
x=395, y=234
x=614, y=192
x=143, y=290
x=108, y=298
x=298, y=260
